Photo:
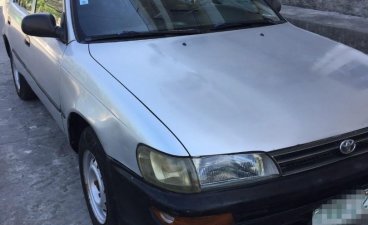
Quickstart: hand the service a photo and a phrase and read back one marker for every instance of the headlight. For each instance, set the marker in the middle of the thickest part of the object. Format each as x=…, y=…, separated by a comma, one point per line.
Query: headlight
x=186, y=175
x=172, y=173
x=225, y=170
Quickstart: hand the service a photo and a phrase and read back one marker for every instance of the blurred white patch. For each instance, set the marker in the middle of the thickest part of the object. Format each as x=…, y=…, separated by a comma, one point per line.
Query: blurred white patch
x=83, y=2
x=56, y=162
x=350, y=209
x=365, y=204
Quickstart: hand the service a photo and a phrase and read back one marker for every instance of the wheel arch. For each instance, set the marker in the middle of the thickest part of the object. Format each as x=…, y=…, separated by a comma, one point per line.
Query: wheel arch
x=76, y=125
x=7, y=45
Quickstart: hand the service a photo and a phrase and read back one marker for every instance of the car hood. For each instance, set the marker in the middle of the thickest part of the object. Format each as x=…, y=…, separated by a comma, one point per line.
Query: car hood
x=256, y=89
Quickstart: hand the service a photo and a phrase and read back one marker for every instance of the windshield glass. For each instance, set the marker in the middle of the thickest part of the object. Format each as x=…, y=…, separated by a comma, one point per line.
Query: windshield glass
x=101, y=18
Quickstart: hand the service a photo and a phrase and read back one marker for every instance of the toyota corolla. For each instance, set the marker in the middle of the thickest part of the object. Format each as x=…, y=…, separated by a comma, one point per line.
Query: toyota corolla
x=195, y=112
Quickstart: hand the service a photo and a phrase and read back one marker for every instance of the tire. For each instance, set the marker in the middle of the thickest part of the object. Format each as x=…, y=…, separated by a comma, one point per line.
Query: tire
x=22, y=88
x=93, y=170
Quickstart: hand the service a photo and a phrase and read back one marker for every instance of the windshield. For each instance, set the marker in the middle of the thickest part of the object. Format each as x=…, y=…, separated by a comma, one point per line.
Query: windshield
x=114, y=18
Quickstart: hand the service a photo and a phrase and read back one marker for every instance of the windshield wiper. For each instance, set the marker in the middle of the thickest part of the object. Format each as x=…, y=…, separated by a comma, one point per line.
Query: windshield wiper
x=252, y=23
x=136, y=34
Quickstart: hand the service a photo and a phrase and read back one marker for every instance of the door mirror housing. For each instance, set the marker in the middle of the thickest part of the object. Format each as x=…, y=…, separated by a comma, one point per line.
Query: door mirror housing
x=275, y=4
x=42, y=25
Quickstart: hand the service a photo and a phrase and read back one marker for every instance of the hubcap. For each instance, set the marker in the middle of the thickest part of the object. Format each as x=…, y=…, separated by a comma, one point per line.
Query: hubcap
x=16, y=78
x=95, y=187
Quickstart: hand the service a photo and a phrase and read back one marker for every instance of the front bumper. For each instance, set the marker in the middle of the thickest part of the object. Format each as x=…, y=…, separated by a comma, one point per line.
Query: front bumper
x=285, y=200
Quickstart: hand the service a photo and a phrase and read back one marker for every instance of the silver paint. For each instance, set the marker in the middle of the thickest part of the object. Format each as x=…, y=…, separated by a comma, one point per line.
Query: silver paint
x=224, y=92
x=237, y=91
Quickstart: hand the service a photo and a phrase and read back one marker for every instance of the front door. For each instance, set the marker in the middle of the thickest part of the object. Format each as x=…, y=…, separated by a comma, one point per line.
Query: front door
x=44, y=57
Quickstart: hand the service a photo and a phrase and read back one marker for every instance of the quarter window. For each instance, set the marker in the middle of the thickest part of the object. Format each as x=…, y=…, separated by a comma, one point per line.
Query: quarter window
x=27, y=4
x=54, y=7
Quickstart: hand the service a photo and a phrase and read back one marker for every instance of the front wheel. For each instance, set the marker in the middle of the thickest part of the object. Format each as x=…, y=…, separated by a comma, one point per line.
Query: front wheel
x=93, y=171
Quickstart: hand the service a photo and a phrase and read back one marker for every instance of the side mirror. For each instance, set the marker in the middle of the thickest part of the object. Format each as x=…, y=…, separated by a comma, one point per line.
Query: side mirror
x=41, y=25
x=275, y=4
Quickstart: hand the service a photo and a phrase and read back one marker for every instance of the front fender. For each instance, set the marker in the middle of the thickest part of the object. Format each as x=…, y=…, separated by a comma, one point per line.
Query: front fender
x=119, y=119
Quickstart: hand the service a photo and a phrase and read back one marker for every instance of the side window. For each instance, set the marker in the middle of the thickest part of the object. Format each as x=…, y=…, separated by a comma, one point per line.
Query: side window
x=27, y=4
x=55, y=7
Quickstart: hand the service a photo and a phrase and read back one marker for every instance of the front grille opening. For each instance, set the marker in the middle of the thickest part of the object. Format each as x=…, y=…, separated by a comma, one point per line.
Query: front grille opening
x=313, y=155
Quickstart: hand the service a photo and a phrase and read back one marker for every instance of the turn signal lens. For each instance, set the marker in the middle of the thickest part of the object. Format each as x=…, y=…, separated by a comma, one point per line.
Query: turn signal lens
x=171, y=173
x=166, y=219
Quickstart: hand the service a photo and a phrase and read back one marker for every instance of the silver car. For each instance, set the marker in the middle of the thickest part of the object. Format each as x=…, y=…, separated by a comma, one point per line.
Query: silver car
x=195, y=112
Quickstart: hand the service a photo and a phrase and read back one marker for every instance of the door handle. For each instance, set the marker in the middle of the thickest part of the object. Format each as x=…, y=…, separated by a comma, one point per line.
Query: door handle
x=9, y=20
x=27, y=41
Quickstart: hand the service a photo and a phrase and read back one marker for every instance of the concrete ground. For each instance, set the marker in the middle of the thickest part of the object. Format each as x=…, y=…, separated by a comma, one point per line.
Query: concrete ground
x=350, y=30
x=39, y=178
x=348, y=7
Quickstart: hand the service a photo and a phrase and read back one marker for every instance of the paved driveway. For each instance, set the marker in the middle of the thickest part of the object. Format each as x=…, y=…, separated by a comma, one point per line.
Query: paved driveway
x=39, y=179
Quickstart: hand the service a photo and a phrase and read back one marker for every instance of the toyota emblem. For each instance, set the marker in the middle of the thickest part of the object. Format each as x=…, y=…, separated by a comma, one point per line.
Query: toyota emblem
x=347, y=146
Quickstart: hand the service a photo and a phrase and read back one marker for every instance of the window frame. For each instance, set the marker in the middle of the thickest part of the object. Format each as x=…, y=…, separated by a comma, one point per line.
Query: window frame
x=80, y=37
x=62, y=11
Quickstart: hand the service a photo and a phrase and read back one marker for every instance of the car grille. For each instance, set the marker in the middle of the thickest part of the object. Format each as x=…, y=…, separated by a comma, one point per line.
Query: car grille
x=313, y=155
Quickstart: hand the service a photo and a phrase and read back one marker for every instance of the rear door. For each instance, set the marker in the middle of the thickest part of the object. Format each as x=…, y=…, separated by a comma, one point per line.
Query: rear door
x=18, y=9
x=44, y=56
